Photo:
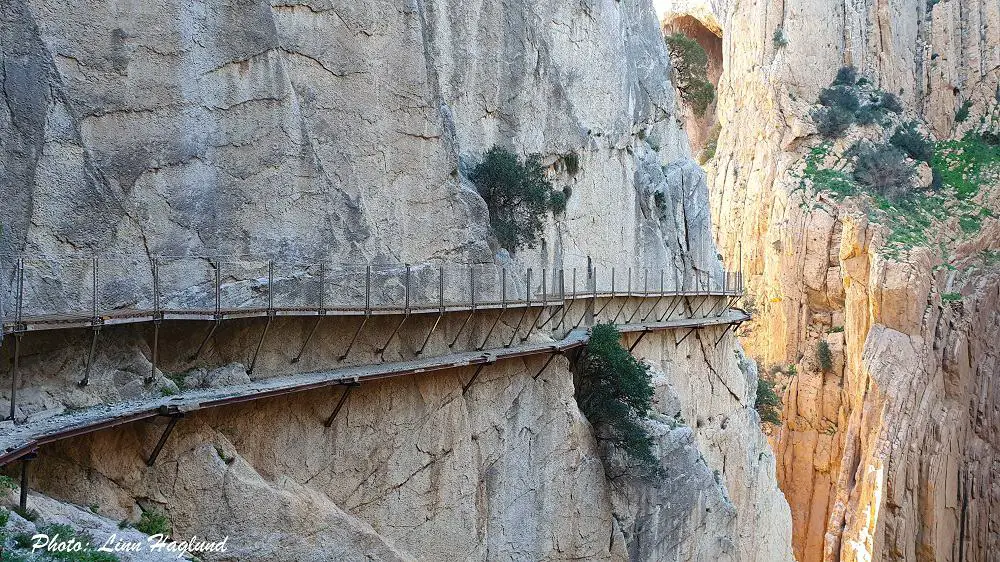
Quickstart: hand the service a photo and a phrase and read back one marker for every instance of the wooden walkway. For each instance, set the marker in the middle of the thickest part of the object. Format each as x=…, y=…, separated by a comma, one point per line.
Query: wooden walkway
x=23, y=440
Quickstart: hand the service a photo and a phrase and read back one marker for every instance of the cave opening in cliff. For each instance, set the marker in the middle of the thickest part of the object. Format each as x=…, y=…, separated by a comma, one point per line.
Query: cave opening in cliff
x=698, y=109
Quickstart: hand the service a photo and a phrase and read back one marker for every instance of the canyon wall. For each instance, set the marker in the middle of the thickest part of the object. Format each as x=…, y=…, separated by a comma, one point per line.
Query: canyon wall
x=343, y=132
x=888, y=453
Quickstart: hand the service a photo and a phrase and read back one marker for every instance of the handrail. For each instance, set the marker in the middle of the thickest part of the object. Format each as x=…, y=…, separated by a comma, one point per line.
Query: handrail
x=25, y=438
x=54, y=294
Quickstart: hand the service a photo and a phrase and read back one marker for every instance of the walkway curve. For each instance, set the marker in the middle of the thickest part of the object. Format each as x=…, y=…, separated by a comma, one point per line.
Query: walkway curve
x=23, y=440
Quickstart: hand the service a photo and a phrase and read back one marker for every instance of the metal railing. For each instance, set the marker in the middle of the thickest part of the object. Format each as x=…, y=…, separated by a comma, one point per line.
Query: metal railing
x=65, y=293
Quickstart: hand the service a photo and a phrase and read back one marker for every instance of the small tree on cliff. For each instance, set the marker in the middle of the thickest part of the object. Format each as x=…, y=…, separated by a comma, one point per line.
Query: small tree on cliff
x=517, y=194
x=616, y=395
x=690, y=63
x=824, y=356
x=768, y=403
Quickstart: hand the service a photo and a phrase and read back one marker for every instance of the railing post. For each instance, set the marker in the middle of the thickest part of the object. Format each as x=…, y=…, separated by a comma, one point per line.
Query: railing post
x=95, y=323
x=157, y=318
x=406, y=291
x=441, y=289
x=94, y=297
x=368, y=289
x=218, y=289
x=18, y=313
x=270, y=315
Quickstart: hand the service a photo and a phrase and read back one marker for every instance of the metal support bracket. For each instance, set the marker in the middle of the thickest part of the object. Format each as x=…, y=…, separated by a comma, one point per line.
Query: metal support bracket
x=340, y=403
x=204, y=342
x=355, y=338
x=320, y=313
x=90, y=357
x=270, y=315
x=734, y=327
x=694, y=312
x=472, y=311
x=174, y=418
x=23, y=499
x=475, y=375
x=503, y=308
x=14, y=382
x=689, y=332
x=406, y=314
x=639, y=339
x=440, y=311
x=524, y=313
x=531, y=326
x=260, y=342
x=547, y=362
x=723, y=334
x=666, y=316
x=312, y=331
x=381, y=350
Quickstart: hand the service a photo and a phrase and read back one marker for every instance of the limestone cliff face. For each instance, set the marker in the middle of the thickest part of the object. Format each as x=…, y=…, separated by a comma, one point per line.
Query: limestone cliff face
x=343, y=131
x=889, y=454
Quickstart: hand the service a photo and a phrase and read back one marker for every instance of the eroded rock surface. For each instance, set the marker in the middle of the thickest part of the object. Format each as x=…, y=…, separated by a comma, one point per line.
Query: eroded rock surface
x=316, y=130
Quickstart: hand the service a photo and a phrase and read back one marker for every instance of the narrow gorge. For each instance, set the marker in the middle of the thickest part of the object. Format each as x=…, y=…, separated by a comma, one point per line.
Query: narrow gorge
x=855, y=179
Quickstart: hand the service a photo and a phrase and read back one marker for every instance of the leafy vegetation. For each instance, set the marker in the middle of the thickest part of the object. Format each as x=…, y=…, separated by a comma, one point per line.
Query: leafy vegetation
x=910, y=140
x=846, y=76
x=779, y=38
x=572, y=163
x=23, y=541
x=824, y=356
x=690, y=62
x=767, y=402
x=966, y=164
x=851, y=100
x=890, y=102
x=616, y=393
x=951, y=297
x=963, y=112
x=518, y=196
x=959, y=169
x=152, y=522
x=89, y=553
x=711, y=144
x=883, y=169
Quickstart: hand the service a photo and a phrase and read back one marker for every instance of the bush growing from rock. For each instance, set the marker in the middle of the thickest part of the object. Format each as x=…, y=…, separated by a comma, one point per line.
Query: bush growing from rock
x=153, y=523
x=883, y=169
x=843, y=97
x=517, y=194
x=767, y=402
x=824, y=356
x=832, y=122
x=616, y=395
x=909, y=139
x=779, y=38
x=890, y=102
x=690, y=62
x=963, y=112
x=847, y=76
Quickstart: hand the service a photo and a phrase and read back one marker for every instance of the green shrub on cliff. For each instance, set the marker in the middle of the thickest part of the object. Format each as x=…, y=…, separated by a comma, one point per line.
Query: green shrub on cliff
x=909, y=139
x=517, y=194
x=824, y=356
x=767, y=403
x=883, y=169
x=616, y=394
x=690, y=63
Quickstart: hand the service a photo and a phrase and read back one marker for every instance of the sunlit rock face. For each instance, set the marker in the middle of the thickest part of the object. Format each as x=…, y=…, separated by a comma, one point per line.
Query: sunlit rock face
x=889, y=454
x=344, y=131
